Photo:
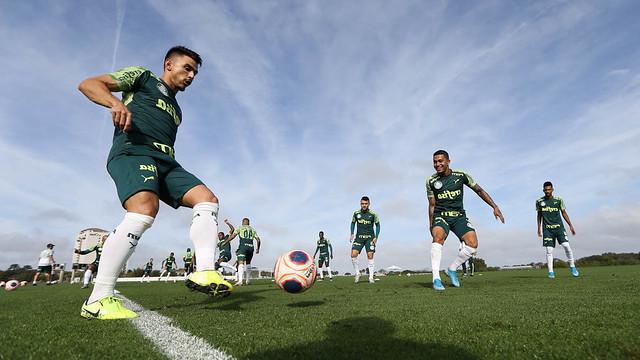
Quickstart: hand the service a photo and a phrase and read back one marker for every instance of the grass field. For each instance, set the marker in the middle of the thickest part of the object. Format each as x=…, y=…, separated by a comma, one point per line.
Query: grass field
x=509, y=314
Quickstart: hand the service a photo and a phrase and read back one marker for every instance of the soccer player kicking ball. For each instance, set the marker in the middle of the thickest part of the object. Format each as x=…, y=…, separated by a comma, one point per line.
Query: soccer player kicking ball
x=365, y=237
x=93, y=267
x=244, y=254
x=549, y=208
x=326, y=253
x=142, y=165
x=446, y=213
x=148, y=267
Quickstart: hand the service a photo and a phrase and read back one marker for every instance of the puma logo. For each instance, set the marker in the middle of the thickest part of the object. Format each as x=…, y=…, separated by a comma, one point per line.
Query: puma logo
x=148, y=178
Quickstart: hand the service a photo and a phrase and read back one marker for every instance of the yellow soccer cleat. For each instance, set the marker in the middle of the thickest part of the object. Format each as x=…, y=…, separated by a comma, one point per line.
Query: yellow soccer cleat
x=209, y=282
x=108, y=308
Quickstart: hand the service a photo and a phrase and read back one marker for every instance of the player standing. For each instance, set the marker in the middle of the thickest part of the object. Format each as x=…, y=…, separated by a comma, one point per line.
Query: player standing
x=187, y=258
x=323, y=245
x=142, y=165
x=445, y=190
x=244, y=254
x=549, y=209
x=148, y=267
x=93, y=267
x=364, y=219
x=45, y=264
x=167, y=266
x=224, y=247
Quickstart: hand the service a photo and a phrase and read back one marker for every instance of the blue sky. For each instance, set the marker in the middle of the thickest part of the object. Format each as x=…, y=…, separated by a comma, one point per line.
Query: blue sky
x=300, y=108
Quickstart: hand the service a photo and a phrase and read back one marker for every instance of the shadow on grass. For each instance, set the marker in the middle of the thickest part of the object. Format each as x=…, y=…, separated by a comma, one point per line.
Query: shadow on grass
x=304, y=304
x=367, y=338
x=235, y=301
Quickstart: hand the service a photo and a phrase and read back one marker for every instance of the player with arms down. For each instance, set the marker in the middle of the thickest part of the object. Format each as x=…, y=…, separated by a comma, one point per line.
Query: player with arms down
x=93, y=267
x=143, y=167
x=148, y=268
x=549, y=209
x=323, y=245
x=362, y=222
x=445, y=190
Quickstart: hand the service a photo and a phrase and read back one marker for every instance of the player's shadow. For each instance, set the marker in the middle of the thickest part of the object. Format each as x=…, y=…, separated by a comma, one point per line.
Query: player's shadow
x=364, y=338
x=236, y=300
x=305, y=304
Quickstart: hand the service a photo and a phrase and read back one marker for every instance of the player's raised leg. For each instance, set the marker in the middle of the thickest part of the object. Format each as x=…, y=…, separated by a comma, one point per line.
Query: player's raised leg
x=204, y=228
x=467, y=251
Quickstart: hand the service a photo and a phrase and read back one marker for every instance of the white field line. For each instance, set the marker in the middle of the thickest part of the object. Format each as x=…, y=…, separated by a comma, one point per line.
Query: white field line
x=172, y=341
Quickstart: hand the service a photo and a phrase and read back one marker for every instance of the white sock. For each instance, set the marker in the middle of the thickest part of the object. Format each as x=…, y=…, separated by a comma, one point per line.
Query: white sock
x=436, y=258
x=247, y=269
x=371, y=269
x=329, y=272
x=321, y=273
x=465, y=253
x=87, y=277
x=204, y=229
x=569, y=253
x=549, y=250
x=354, y=261
x=240, y=273
x=116, y=251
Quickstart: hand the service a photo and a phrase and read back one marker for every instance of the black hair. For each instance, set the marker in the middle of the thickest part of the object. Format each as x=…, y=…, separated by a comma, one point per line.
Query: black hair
x=442, y=152
x=365, y=198
x=547, y=183
x=181, y=50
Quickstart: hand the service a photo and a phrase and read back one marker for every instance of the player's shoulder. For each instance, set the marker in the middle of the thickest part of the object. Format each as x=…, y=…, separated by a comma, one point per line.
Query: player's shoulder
x=373, y=212
x=540, y=200
x=359, y=211
x=459, y=172
x=433, y=178
x=557, y=198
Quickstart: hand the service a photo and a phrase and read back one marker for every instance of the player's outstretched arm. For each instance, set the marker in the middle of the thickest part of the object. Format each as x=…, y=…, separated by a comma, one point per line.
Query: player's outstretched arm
x=98, y=89
x=233, y=236
x=485, y=196
x=231, y=228
x=565, y=216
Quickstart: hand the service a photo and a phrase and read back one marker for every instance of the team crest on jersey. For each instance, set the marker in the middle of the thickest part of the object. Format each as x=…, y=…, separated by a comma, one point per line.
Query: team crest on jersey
x=358, y=216
x=543, y=204
x=437, y=185
x=163, y=89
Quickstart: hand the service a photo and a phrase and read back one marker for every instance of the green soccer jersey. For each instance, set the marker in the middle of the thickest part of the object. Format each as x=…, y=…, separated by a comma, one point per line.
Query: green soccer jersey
x=448, y=192
x=246, y=234
x=156, y=114
x=188, y=256
x=168, y=262
x=148, y=266
x=97, y=248
x=551, y=210
x=226, y=248
x=364, y=221
x=324, y=247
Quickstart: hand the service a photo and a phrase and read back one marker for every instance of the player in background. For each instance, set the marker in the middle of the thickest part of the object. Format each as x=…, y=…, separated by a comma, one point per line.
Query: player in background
x=362, y=223
x=244, y=254
x=93, y=267
x=167, y=266
x=224, y=247
x=148, y=267
x=187, y=258
x=549, y=209
x=445, y=190
x=323, y=245
x=143, y=166
x=45, y=264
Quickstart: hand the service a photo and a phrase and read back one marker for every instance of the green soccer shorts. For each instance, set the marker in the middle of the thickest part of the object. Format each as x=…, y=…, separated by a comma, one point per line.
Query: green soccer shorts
x=550, y=236
x=245, y=254
x=137, y=169
x=224, y=256
x=44, y=269
x=363, y=242
x=323, y=260
x=460, y=225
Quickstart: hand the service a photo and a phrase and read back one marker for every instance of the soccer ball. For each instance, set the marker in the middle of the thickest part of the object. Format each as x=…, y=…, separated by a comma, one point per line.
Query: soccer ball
x=23, y=283
x=12, y=285
x=2, y=284
x=295, y=271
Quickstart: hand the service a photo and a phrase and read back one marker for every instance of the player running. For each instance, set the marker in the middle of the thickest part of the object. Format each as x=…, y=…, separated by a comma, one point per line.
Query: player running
x=323, y=245
x=549, y=209
x=142, y=165
x=148, y=267
x=244, y=254
x=224, y=247
x=187, y=258
x=93, y=267
x=365, y=237
x=45, y=264
x=445, y=191
x=167, y=266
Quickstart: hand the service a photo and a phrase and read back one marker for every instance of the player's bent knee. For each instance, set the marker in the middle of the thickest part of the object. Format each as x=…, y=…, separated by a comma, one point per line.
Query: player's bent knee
x=199, y=194
x=143, y=203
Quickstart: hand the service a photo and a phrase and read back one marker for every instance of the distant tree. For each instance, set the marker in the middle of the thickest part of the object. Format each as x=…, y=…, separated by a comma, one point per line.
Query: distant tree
x=347, y=274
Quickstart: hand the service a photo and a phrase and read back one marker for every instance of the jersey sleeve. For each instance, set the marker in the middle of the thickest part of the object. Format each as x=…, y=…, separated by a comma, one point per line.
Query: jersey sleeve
x=237, y=230
x=538, y=206
x=353, y=218
x=127, y=78
x=376, y=219
x=429, y=190
x=561, y=204
x=468, y=179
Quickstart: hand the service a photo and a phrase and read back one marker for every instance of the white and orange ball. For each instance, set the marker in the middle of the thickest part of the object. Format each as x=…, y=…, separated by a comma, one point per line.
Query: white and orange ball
x=23, y=283
x=12, y=285
x=295, y=271
x=2, y=284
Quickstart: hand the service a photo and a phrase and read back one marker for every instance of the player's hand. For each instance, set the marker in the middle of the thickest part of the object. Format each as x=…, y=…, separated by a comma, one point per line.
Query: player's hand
x=351, y=238
x=498, y=214
x=573, y=231
x=539, y=233
x=226, y=221
x=257, y=251
x=121, y=116
x=374, y=241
